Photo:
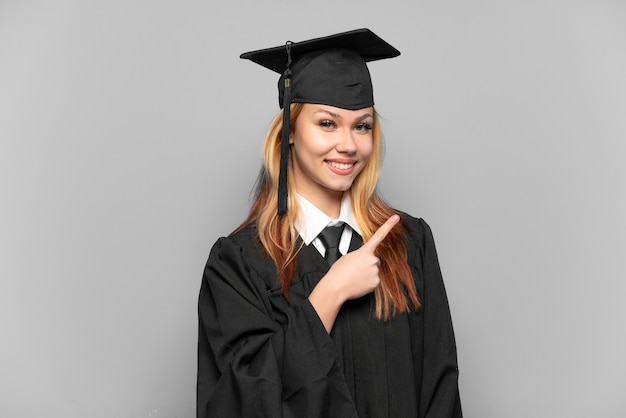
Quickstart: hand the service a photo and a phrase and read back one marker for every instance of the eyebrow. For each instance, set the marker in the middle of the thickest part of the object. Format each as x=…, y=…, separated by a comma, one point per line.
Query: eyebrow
x=335, y=115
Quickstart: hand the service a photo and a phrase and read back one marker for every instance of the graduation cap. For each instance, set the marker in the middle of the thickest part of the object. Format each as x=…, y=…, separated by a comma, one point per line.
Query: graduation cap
x=330, y=70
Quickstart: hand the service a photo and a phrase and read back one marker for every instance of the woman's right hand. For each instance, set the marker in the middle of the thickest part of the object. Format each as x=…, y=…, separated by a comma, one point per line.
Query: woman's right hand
x=352, y=276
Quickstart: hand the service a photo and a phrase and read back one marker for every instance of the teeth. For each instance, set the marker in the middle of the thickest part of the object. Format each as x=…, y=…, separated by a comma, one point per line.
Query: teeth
x=341, y=166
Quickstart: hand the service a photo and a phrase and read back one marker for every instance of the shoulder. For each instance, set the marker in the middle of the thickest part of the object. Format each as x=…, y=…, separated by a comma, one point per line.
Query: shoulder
x=242, y=241
x=417, y=228
x=246, y=236
x=239, y=252
x=419, y=238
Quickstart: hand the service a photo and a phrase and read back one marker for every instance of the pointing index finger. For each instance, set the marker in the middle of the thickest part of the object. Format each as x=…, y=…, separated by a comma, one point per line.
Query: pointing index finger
x=382, y=232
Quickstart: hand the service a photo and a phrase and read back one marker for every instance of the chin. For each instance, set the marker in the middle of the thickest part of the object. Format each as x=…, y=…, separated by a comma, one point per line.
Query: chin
x=339, y=186
x=342, y=188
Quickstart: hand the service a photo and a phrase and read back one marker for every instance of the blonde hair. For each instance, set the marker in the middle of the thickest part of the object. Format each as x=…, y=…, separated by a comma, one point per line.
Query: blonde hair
x=278, y=236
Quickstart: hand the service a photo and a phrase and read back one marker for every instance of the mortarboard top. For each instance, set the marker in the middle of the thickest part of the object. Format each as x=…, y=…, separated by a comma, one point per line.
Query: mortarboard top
x=365, y=42
x=330, y=70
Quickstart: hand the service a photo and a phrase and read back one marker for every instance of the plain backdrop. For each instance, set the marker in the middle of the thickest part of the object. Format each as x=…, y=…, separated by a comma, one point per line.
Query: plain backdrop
x=130, y=136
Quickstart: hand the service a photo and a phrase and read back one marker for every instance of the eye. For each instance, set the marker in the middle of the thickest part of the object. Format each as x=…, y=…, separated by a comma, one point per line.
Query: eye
x=327, y=124
x=363, y=127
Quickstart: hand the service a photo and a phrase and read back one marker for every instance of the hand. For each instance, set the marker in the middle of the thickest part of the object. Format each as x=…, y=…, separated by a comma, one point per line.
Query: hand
x=352, y=276
x=357, y=273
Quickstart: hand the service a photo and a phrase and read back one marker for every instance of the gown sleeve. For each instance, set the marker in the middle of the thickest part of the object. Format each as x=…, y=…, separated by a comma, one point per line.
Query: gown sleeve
x=252, y=363
x=439, y=395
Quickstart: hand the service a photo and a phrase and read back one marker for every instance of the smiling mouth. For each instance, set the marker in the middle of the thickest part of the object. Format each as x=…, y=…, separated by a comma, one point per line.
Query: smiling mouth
x=340, y=166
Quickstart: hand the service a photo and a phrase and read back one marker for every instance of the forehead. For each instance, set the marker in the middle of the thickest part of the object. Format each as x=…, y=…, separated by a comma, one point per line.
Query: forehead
x=338, y=112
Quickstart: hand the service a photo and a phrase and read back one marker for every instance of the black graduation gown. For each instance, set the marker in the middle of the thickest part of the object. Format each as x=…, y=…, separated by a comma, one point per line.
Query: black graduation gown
x=261, y=355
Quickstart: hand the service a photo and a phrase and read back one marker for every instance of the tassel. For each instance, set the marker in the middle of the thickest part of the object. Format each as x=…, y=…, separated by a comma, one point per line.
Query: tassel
x=284, y=138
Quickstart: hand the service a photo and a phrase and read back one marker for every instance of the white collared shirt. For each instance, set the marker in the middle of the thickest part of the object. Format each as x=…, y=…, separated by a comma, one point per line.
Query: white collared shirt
x=311, y=221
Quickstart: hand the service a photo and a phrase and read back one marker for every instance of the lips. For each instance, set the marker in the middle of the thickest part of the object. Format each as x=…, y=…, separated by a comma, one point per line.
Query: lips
x=340, y=166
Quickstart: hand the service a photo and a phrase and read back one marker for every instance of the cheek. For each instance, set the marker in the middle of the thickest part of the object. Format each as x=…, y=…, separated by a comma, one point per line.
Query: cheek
x=311, y=146
x=365, y=152
x=366, y=148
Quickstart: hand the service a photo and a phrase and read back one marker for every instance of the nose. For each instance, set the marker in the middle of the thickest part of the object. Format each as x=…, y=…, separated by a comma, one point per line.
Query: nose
x=346, y=142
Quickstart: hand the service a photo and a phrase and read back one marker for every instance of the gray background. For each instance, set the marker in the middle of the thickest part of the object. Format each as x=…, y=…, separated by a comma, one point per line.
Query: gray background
x=130, y=134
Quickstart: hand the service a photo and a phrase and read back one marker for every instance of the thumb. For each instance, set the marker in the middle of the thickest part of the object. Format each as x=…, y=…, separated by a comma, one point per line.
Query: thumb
x=382, y=232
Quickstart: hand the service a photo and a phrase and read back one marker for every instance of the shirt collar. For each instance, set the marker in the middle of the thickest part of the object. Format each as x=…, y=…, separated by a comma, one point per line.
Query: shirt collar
x=311, y=221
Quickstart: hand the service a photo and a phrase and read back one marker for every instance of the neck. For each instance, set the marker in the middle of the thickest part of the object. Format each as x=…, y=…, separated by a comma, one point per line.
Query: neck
x=329, y=203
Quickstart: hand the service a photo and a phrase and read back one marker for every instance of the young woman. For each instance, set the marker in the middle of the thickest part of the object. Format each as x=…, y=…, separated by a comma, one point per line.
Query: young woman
x=295, y=323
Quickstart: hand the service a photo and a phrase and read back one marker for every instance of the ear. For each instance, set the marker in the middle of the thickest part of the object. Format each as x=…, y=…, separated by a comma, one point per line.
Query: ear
x=291, y=138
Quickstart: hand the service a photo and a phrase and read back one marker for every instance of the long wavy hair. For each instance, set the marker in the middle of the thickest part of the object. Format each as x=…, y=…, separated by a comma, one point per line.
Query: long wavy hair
x=396, y=292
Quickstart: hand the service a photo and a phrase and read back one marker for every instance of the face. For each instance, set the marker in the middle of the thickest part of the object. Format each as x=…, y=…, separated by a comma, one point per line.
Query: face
x=330, y=147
